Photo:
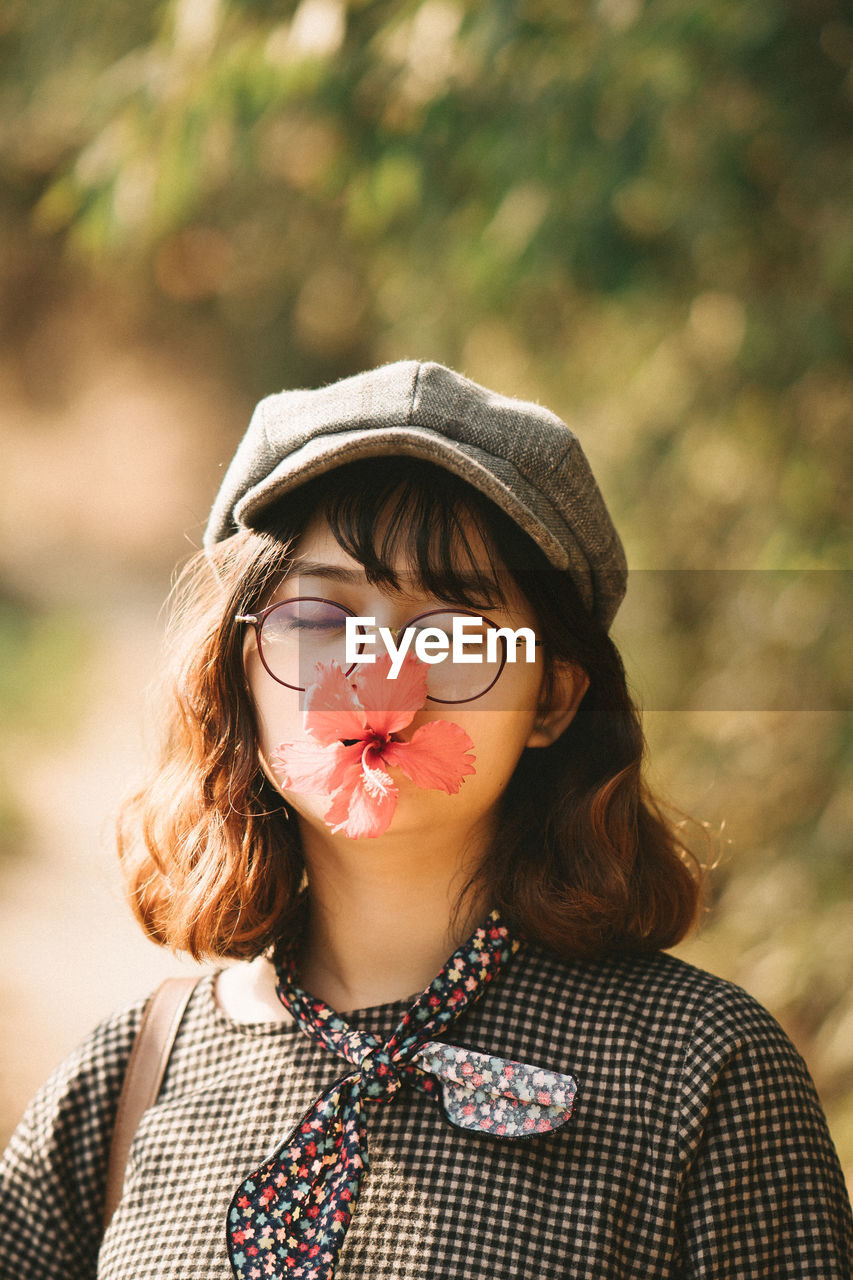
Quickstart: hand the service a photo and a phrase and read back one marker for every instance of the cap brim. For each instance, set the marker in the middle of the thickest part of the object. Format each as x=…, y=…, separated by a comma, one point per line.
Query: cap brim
x=514, y=494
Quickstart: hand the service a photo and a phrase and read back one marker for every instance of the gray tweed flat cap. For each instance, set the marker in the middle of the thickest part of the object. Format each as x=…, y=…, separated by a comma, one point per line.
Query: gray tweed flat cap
x=517, y=453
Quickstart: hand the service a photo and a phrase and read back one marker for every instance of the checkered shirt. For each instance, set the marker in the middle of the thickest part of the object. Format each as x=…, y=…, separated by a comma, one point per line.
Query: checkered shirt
x=697, y=1147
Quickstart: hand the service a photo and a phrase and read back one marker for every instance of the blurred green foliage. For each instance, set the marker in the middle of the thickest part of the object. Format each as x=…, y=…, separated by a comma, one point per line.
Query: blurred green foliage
x=638, y=213
x=640, y=206
x=324, y=175
x=42, y=655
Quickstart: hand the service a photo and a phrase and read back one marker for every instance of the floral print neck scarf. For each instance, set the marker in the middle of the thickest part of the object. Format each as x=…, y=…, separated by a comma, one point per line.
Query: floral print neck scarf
x=291, y=1215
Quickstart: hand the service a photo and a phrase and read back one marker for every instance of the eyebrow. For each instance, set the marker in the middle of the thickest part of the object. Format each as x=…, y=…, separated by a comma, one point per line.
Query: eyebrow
x=337, y=573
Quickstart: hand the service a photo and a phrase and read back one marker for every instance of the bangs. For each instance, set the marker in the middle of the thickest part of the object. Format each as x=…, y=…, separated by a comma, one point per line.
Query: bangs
x=382, y=509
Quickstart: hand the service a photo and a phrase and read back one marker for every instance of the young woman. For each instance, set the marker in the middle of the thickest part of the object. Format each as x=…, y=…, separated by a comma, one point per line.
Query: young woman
x=452, y=1044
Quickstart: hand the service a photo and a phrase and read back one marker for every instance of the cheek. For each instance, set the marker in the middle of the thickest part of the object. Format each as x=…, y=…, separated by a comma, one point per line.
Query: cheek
x=500, y=724
x=277, y=708
x=499, y=738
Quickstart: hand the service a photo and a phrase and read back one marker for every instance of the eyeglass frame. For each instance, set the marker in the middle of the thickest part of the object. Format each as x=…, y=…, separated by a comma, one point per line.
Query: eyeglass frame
x=257, y=620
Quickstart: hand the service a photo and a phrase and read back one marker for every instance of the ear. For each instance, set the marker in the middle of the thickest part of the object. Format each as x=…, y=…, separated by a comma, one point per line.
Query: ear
x=568, y=684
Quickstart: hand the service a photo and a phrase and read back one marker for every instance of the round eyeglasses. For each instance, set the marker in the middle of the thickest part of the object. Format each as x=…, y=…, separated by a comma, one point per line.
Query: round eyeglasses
x=294, y=635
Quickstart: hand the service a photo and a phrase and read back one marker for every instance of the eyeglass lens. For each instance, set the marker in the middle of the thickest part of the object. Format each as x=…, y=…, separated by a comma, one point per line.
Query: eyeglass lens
x=299, y=633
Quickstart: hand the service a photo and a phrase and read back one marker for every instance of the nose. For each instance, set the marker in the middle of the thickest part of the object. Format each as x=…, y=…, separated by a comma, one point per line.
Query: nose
x=389, y=622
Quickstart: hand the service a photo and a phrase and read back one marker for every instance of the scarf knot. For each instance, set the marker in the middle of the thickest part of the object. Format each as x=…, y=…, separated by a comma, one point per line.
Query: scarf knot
x=379, y=1076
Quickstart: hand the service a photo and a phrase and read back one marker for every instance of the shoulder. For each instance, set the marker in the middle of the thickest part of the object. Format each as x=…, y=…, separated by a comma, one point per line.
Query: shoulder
x=654, y=1035
x=654, y=1011
x=60, y=1148
x=85, y=1087
x=641, y=988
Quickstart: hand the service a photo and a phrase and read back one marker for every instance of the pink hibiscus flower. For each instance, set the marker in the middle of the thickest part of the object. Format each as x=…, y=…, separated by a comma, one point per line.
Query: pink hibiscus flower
x=353, y=740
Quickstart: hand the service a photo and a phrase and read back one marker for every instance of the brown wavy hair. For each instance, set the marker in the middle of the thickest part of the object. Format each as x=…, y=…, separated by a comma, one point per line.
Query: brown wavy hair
x=586, y=861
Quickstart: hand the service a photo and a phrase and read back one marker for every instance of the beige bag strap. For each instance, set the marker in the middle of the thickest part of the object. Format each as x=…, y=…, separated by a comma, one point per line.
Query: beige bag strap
x=145, y=1070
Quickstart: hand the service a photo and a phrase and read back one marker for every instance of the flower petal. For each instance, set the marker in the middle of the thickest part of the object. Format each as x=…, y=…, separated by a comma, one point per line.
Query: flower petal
x=367, y=809
x=332, y=713
x=436, y=757
x=390, y=703
x=309, y=766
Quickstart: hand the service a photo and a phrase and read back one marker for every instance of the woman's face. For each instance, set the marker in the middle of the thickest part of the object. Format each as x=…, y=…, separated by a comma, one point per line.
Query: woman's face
x=501, y=724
